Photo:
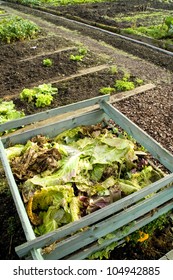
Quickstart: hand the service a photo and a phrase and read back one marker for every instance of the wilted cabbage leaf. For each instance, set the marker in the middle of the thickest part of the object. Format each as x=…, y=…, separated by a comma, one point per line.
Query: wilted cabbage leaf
x=14, y=151
x=79, y=171
x=53, y=205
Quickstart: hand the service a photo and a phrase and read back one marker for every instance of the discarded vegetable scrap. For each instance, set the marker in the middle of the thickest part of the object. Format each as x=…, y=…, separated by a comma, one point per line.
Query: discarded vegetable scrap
x=78, y=172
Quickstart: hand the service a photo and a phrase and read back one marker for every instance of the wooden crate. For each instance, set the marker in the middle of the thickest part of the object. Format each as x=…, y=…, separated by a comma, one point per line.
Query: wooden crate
x=133, y=211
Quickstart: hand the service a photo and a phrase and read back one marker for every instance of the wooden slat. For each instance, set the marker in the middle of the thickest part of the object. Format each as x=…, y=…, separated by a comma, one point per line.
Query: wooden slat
x=141, y=136
x=168, y=256
x=51, y=113
x=36, y=254
x=120, y=234
x=40, y=55
x=87, y=104
x=105, y=227
x=101, y=214
x=26, y=225
x=55, y=128
x=126, y=94
x=82, y=72
x=16, y=196
x=56, y=80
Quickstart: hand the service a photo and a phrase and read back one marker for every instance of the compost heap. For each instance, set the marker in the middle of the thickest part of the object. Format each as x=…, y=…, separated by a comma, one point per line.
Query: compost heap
x=78, y=172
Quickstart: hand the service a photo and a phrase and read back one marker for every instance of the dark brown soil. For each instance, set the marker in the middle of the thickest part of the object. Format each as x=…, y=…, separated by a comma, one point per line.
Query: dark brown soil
x=104, y=13
x=11, y=230
x=21, y=66
x=154, y=248
x=20, y=71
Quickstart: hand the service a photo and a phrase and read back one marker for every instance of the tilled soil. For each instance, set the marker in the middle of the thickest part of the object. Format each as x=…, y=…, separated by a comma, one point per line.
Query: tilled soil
x=25, y=68
x=109, y=16
x=97, y=12
x=151, y=110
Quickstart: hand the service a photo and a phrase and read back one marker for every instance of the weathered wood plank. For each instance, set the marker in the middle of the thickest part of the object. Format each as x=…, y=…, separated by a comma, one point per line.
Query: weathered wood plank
x=16, y=196
x=120, y=235
x=53, y=112
x=87, y=105
x=93, y=218
x=55, y=128
x=141, y=136
x=81, y=73
x=126, y=94
x=168, y=256
x=105, y=227
x=48, y=53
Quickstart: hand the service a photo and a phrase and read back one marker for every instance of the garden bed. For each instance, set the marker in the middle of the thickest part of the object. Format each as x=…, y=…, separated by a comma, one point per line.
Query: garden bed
x=151, y=110
x=133, y=19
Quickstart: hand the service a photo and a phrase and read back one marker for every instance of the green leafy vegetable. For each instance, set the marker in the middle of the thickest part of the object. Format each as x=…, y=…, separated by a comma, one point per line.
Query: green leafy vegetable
x=8, y=112
x=43, y=100
x=27, y=94
x=107, y=90
x=76, y=57
x=121, y=85
x=47, y=62
x=16, y=28
x=41, y=95
x=169, y=23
